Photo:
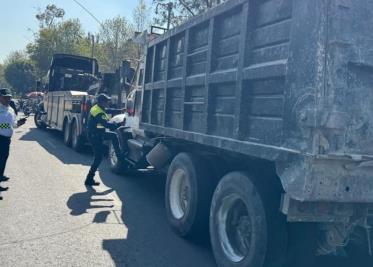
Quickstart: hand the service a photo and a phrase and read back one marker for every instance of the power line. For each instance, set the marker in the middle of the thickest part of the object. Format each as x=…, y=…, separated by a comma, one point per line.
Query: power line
x=89, y=12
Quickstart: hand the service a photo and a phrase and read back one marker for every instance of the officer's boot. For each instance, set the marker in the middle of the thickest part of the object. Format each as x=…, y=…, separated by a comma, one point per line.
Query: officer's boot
x=90, y=181
x=3, y=189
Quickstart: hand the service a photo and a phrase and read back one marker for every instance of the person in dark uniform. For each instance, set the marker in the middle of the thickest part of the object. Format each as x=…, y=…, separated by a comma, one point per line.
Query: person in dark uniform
x=98, y=120
x=12, y=104
x=8, y=121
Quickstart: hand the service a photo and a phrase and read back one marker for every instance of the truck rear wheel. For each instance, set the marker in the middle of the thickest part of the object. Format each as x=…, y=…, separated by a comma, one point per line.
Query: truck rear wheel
x=67, y=133
x=301, y=247
x=76, y=139
x=358, y=248
x=189, y=189
x=116, y=165
x=238, y=222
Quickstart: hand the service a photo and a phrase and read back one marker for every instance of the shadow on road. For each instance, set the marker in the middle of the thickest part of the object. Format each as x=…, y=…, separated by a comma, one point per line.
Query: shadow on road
x=52, y=142
x=150, y=241
x=342, y=262
x=79, y=203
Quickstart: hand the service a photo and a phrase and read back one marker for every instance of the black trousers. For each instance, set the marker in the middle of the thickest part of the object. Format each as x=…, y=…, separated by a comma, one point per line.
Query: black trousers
x=4, y=153
x=97, y=142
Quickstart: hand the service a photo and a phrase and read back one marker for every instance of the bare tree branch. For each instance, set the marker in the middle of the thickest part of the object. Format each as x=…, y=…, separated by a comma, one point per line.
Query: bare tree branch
x=187, y=7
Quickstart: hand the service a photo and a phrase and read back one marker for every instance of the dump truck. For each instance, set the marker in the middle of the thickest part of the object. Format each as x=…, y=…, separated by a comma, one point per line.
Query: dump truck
x=261, y=114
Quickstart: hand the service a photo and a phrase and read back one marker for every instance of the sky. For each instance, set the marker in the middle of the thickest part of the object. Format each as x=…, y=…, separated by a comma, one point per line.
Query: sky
x=18, y=22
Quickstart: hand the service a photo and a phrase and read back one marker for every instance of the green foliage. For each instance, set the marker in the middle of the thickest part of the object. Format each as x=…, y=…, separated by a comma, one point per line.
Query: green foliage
x=55, y=36
x=181, y=10
x=112, y=44
x=115, y=45
x=19, y=73
x=64, y=37
x=3, y=82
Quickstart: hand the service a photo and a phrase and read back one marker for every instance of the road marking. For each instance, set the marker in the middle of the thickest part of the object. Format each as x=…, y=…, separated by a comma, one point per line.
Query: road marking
x=118, y=217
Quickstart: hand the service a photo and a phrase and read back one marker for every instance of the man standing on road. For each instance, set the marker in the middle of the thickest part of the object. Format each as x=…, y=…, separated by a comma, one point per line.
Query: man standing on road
x=97, y=122
x=7, y=123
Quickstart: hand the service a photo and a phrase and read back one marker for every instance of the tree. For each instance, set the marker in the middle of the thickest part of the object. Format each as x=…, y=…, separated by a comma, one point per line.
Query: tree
x=19, y=73
x=141, y=21
x=64, y=37
x=181, y=10
x=48, y=17
x=115, y=45
x=15, y=56
x=141, y=16
x=55, y=36
x=3, y=82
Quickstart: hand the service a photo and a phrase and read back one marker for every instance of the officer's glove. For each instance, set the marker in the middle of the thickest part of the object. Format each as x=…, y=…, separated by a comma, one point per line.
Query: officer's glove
x=21, y=122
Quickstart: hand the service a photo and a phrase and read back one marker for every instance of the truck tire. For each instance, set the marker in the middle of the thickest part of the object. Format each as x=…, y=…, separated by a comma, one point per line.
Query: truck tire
x=76, y=139
x=238, y=222
x=38, y=122
x=117, y=166
x=302, y=243
x=67, y=133
x=189, y=189
x=358, y=249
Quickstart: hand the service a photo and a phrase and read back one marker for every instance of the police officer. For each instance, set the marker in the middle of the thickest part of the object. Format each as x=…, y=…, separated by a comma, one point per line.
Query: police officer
x=98, y=120
x=7, y=123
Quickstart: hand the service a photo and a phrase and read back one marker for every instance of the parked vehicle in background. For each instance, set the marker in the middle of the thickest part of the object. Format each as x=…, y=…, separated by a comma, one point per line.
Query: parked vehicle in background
x=31, y=103
x=259, y=112
x=65, y=102
x=74, y=82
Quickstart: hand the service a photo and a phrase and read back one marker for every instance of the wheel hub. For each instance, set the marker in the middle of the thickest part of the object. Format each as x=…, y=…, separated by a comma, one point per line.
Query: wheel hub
x=179, y=194
x=234, y=228
x=113, y=156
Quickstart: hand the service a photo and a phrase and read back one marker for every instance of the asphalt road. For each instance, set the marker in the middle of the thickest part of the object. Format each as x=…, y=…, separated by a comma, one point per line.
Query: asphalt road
x=49, y=218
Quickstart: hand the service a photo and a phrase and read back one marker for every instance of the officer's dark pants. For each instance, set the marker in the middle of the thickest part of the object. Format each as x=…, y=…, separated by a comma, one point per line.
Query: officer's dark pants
x=4, y=153
x=97, y=142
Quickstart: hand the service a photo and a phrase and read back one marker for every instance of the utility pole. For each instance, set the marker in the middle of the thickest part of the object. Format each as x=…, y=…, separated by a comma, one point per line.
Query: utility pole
x=93, y=40
x=93, y=45
x=169, y=7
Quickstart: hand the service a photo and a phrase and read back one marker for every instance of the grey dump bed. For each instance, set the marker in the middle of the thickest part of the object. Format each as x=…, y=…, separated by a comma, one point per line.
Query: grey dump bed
x=289, y=81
